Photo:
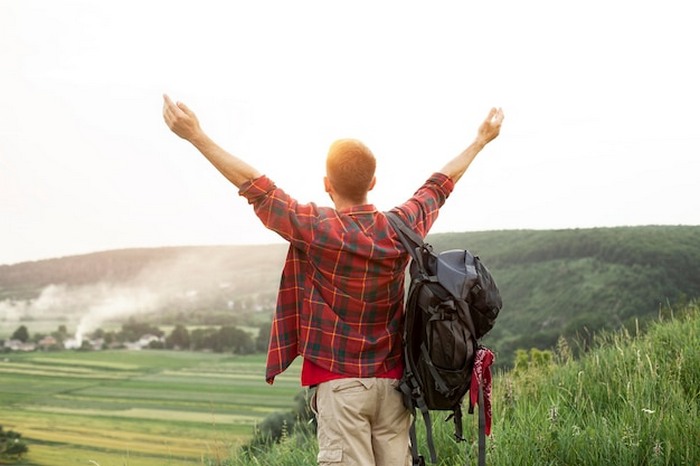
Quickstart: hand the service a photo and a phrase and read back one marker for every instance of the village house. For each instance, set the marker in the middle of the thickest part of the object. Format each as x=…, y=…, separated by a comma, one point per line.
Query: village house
x=143, y=342
x=18, y=345
x=49, y=342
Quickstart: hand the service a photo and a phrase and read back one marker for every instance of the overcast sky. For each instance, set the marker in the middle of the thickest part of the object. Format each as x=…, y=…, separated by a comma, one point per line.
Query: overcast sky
x=601, y=102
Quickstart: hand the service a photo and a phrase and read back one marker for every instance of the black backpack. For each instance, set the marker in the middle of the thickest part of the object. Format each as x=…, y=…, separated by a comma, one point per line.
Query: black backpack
x=452, y=302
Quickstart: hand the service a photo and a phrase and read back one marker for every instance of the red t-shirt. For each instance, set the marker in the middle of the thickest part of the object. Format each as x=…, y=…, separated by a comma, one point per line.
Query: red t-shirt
x=313, y=374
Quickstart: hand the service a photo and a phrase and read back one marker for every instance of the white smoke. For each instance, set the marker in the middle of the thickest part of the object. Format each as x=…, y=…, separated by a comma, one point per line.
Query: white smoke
x=119, y=302
x=11, y=311
x=85, y=307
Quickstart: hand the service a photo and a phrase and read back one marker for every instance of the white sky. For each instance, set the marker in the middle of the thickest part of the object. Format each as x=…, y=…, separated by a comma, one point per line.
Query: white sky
x=601, y=99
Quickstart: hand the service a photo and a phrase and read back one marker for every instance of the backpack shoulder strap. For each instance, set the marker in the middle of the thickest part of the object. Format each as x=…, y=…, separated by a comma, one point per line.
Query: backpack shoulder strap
x=412, y=393
x=411, y=240
x=403, y=229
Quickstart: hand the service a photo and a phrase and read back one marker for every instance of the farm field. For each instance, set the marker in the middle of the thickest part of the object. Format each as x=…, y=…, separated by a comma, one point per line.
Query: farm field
x=136, y=407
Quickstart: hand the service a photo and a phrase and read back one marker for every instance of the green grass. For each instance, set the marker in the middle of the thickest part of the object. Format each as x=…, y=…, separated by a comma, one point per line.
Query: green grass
x=136, y=408
x=632, y=400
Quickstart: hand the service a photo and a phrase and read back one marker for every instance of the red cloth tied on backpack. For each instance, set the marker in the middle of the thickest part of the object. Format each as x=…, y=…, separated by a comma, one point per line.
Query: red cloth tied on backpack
x=481, y=375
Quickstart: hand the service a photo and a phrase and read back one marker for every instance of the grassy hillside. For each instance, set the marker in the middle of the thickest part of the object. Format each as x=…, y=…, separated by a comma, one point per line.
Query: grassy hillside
x=632, y=400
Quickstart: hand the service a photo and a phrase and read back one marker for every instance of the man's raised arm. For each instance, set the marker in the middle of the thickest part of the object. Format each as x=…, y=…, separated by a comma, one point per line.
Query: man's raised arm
x=183, y=122
x=488, y=131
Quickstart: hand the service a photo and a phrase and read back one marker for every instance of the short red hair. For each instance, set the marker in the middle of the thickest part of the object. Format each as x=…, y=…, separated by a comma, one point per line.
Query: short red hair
x=350, y=167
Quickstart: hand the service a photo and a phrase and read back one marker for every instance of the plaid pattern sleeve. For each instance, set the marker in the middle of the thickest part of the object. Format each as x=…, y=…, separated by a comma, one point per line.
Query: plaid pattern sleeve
x=340, y=299
x=421, y=210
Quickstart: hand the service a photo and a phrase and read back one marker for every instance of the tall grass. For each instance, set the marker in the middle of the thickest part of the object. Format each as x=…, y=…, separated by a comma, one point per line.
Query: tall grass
x=295, y=448
x=631, y=400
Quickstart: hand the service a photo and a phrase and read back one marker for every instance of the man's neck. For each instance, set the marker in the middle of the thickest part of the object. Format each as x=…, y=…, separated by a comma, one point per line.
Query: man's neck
x=344, y=204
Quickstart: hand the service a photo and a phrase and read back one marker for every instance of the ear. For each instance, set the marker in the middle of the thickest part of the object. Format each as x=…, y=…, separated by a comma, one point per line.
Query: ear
x=372, y=183
x=328, y=187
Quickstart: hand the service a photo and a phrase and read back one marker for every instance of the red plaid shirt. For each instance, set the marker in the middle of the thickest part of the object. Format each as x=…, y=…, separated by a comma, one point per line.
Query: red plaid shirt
x=340, y=300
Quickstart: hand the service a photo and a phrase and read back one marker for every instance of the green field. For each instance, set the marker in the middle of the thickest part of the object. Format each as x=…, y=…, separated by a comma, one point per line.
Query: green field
x=136, y=407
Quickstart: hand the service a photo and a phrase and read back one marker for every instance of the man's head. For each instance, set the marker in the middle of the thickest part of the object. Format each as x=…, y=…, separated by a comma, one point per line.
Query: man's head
x=350, y=169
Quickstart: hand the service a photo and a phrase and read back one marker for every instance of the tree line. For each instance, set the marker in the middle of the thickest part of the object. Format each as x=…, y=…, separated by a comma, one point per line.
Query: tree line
x=222, y=339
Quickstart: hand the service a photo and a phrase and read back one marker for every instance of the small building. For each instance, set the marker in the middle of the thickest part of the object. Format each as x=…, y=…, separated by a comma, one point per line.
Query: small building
x=49, y=342
x=143, y=342
x=18, y=345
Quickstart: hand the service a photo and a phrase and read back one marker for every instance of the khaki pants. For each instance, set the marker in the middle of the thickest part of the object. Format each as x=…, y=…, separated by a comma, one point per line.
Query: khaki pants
x=362, y=422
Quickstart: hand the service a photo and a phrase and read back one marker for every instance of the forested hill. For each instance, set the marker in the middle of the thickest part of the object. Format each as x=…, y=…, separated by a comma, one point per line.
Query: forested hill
x=553, y=282
x=252, y=268
x=574, y=282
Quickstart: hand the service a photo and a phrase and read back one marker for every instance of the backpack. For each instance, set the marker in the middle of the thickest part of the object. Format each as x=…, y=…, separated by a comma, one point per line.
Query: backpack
x=452, y=302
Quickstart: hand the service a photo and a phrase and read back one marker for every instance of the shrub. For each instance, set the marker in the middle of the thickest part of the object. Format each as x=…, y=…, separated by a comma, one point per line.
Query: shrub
x=12, y=447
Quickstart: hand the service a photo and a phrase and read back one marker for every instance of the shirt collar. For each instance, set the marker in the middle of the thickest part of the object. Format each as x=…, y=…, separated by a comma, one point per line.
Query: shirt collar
x=359, y=210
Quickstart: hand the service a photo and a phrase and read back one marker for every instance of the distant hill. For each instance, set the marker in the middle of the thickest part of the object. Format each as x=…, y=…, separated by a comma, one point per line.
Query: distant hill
x=574, y=282
x=554, y=282
x=189, y=267
x=190, y=285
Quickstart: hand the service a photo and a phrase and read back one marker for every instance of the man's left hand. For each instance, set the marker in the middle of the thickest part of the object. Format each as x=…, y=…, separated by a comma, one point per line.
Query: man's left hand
x=180, y=119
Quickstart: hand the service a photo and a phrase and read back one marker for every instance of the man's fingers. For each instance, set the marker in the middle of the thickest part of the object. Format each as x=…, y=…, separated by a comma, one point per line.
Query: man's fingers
x=179, y=118
x=495, y=116
x=499, y=115
x=173, y=110
x=168, y=105
x=184, y=108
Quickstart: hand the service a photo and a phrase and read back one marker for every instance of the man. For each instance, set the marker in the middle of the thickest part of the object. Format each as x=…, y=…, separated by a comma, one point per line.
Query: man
x=340, y=302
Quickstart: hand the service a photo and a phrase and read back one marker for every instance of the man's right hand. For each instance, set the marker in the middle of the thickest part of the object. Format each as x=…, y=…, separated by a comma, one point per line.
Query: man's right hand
x=491, y=126
x=180, y=119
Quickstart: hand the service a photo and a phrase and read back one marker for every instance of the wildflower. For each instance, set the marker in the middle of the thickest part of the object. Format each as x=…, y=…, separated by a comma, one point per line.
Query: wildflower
x=628, y=437
x=509, y=394
x=564, y=350
x=648, y=411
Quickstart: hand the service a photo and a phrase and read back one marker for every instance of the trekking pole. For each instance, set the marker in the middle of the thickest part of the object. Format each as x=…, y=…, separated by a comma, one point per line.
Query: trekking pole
x=482, y=427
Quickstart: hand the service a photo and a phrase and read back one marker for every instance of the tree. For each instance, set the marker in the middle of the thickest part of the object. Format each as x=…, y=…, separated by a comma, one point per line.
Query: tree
x=61, y=334
x=179, y=338
x=263, y=339
x=233, y=339
x=110, y=337
x=201, y=338
x=133, y=330
x=21, y=334
x=12, y=447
